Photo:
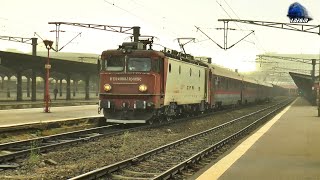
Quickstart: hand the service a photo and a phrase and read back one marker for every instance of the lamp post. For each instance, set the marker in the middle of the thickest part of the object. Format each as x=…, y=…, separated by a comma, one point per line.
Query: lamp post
x=47, y=66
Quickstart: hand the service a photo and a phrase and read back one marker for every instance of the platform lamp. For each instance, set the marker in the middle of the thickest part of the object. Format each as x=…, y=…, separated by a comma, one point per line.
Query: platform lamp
x=47, y=66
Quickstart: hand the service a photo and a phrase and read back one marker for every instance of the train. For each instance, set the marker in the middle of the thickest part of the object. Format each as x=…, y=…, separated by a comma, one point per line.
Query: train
x=143, y=85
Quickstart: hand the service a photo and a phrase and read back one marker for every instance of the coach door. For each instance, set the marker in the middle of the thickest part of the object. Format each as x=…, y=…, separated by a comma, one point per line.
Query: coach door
x=213, y=82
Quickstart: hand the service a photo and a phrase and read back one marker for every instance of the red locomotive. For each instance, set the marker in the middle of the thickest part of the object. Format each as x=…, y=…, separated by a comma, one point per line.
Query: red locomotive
x=140, y=85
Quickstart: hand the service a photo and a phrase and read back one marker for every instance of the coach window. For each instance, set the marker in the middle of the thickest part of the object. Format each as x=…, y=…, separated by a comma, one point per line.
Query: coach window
x=190, y=71
x=114, y=63
x=179, y=69
x=199, y=73
x=169, y=67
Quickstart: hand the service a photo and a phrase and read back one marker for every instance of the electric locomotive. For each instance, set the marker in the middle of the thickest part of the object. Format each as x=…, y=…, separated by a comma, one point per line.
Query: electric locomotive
x=131, y=83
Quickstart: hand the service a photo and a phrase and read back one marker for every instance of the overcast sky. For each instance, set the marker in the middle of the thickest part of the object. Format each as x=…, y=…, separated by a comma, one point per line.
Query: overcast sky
x=165, y=19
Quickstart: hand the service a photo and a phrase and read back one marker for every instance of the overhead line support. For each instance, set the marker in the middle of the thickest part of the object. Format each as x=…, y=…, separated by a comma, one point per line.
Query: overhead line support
x=119, y=29
x=315, y=29
x=23, y=40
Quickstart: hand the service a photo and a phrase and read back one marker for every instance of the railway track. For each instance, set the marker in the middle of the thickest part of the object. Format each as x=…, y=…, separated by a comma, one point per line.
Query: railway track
x=167, y=161
x=20, y=149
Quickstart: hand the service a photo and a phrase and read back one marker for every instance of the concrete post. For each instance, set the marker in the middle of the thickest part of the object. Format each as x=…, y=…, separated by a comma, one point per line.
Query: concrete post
x=33, y=76
x=2, y=82
x=34, y=46
x=319, y=89
x=33, y=86
x=60, y=88
x=28, y=87
x=87, y=78
x=74, y=88
x=19, y=85
x=8, y=87
x=68, y=97
x=314, y=98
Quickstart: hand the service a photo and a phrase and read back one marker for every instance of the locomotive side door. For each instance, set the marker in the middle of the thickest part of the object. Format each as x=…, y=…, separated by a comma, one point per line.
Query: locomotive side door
x=162, y=81
x=158, y=68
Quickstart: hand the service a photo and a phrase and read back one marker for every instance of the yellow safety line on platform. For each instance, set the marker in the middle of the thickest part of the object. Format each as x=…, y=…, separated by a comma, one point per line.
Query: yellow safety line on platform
x=221, y=166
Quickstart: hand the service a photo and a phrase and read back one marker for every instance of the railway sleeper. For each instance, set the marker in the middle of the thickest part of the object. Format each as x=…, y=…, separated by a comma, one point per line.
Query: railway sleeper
x=51, y=142
x=145, y=165
x=66, y=140
x=187, y=173
x=5, y=152
x=47, y=143
x=9, y=166
x=140, y=170
x=115, y=176
x=135, y=172
x=89, y=135
x=14, y=149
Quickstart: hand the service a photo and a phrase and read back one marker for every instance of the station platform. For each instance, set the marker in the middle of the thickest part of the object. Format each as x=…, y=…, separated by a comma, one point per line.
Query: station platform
x=29, y=116
x=286, y=147
x=39, y=104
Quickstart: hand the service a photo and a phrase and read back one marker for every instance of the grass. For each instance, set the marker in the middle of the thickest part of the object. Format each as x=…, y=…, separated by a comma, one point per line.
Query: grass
x=124, y=145
x=34, y=155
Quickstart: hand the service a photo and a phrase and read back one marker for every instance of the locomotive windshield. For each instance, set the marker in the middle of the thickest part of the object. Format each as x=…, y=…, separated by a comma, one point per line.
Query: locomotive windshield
x=139, y=64
x=114, y=63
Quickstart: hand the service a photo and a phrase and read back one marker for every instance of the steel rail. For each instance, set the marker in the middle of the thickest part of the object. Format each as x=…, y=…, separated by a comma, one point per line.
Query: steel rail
x=197, y=157
x=22, y=148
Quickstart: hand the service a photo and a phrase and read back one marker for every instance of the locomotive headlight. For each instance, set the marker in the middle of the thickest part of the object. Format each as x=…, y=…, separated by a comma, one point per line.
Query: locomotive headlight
x=143, y=88
x=107, y=87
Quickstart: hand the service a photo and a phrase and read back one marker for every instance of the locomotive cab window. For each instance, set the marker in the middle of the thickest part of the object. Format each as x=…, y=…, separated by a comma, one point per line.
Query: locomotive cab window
x=114, y=63
x=139, y=64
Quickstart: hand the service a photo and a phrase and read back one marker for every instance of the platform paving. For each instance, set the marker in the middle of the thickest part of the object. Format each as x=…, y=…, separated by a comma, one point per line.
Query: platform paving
x=17, y=117
x=287, y=149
